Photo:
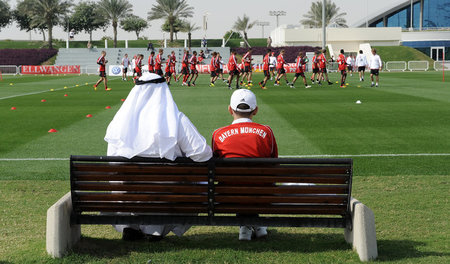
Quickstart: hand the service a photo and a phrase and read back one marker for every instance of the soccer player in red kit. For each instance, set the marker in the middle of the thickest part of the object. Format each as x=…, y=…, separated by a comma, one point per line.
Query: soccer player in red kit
x=102, y=69
x=233, y=70
x=266, y=62
x=299, y=70
x=151, y=62
x=245, y=139
x=213, y=68
x=323, y=67
x=315, y=67
x=342, y=66
x=158, y=62
x=184, y=67
x=167, y=69
x=247, y=67
x=194, y=71
x=280, y=69
x=139, y=65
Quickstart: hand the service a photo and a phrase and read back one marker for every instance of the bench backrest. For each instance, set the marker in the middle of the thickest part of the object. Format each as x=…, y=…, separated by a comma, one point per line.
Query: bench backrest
x=318, y=187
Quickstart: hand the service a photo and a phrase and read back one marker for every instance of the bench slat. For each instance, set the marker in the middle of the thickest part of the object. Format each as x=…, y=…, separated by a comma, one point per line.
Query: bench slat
x=140, y=168
x=141, y=208
x=325, y=179
x=119, y=197
x=311, y=189
x=284, y=170
x=125, y=177
x=329, y=199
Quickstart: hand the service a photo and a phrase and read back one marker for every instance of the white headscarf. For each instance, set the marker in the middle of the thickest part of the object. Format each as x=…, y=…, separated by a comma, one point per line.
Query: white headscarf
x=147, y=122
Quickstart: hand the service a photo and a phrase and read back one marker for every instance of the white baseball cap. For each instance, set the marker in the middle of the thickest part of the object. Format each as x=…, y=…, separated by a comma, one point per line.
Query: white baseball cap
x=243, y=96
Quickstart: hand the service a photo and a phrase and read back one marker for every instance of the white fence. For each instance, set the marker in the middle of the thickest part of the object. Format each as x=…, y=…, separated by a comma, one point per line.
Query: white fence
x=9, y=69
x=396, y=66
x=441, y=65
x=418, y=65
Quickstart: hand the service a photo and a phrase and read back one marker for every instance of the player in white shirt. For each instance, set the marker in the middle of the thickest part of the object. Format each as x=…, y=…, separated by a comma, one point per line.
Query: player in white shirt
x=133, y=65
x=361, y=63
x=350, y=62
x=125, y=65
x=375, y=65
x=272, y=64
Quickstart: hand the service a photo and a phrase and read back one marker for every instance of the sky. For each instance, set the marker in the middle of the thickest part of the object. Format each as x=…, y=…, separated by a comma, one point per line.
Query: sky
x=221, y=16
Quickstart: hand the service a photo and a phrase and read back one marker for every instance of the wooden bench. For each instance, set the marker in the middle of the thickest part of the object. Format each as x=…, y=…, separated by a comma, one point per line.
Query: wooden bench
x=285, y=192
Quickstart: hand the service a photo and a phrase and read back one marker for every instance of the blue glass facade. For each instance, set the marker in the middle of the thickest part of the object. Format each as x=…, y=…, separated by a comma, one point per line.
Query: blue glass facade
x=436, y=14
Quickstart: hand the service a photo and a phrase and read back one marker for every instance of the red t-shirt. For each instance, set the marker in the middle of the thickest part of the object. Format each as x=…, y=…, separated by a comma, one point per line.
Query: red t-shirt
x=185, y=61
x=341, y=60
x=299, y=65
x=168, y=66
x=280, y=62
x=266, y=63
x=138, y=65
x=158, y=62
x=193, y=62
x=212, y=64
x=101, y=62
x=247, y=59
x=322, y=61
x=315, y=62
x=244, y=140
x=232, y=65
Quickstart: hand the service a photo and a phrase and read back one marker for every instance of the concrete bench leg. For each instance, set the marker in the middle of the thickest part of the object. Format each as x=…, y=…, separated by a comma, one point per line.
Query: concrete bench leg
x=363, y=236
x=61, y=236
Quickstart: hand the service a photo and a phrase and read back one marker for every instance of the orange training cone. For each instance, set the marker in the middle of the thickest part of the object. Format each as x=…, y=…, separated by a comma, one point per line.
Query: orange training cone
x=13, y=108
x=108, y=107
x=52, y=130
x=89, y=115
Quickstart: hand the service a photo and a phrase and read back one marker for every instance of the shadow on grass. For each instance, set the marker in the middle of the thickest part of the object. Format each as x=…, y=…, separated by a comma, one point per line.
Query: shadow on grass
x=392, y=250
x=276, y=242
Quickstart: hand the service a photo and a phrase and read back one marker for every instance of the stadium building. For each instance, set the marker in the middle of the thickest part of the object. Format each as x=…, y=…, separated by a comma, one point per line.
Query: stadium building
x=388, y=26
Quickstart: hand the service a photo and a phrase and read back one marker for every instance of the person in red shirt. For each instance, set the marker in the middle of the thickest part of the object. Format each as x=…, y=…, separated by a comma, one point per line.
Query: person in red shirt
x=151, y=62
x=299, y=69
x=342, y=67
x=247, y=67
x=233, y=70
x=168, y=71
x=173, y=61
x=323, y=75
x=194, y=71
x=138, y=68
x=280, y=69
x=266, y=69
x=184, y=67
x=213, y=68
x=245, y=139
x=315, y=67
x=102, y=69
x=158, y=62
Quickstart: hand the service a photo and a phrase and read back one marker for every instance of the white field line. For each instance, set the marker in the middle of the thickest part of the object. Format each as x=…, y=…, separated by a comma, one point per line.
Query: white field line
x=46, y=91
x=281, y=156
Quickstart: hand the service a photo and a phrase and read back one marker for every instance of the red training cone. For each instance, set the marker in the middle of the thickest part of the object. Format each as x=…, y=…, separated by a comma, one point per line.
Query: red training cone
x=52, y=130
x=13, y=108
x=65, y=95
x=89, y=115
x=43, y=100
x=123, y=100
x=108, y=107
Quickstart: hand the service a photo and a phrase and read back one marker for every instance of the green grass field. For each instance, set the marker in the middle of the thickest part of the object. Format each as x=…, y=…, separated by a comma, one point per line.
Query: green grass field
x=399, y=138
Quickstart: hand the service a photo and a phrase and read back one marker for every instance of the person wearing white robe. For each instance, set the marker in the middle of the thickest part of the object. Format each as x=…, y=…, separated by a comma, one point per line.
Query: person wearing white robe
x=149, y=124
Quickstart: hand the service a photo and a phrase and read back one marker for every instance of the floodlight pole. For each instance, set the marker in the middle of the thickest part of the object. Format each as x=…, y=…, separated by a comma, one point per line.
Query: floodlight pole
x=277, y=14
x=411, y=28
x=324, y=27
x=262, y=24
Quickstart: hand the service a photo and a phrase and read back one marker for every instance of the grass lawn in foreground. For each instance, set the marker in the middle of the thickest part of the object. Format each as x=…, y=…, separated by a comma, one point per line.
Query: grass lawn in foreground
x=408, y=114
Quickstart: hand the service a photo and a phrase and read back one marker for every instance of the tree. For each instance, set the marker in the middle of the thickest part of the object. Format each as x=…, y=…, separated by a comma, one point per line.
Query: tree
x=232, y=35
x=243, y=25
x=189, y=28
x=5, y=14
x=48, y=13
x=115, y=10
x=22, y=17
x=134, y=23
x=313, y=18
x=170, y=10
x=177, y=26
x=85, y=18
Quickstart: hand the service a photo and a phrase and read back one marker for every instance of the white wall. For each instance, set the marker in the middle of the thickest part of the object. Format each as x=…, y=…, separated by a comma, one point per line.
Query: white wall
x=348, y=39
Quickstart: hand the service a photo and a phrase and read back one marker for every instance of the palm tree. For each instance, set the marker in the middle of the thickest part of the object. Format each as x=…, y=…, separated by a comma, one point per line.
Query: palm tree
x=189, y=27
x=243, y=25
x=170, y=10
x=313, y=18
x=115, y=10
x=48, y=13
